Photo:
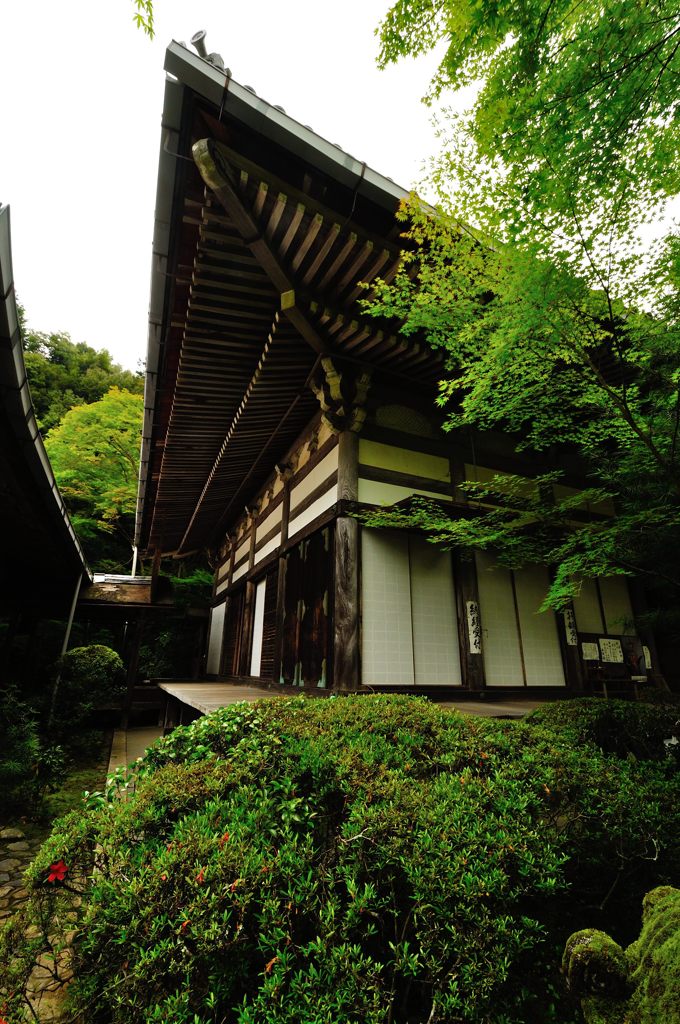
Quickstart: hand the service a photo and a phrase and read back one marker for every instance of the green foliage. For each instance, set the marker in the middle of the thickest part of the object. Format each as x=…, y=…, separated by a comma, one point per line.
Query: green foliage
x=615, y=726
x=194, y=590
x=95, y=671
x=20, y=748
x=358, y=859
x=143, y=16
x=639, y=985
x=558, y=317
x=94, y=452
x=534, y=350
x=170, y=649
x=63, y=373
x=575, y=105
x=91, y=677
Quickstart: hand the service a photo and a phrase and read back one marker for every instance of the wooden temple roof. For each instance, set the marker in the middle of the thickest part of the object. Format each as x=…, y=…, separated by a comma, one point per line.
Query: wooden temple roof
x=266, y=236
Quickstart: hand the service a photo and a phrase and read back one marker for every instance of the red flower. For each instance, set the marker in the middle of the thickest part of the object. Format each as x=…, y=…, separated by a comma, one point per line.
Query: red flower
x=185, y=925
x=224, y=839
x=200, y=875
x=58, y=872
x=164, y=878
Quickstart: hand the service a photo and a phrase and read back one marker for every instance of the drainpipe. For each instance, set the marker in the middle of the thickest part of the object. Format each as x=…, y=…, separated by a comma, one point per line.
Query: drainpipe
x=64, y=648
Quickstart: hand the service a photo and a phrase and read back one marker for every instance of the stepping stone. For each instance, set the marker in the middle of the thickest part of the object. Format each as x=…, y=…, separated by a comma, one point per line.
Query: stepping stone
x=4, y=877
x=11, y=833
x=18, y=847
x=5, y=890
x=9, y=864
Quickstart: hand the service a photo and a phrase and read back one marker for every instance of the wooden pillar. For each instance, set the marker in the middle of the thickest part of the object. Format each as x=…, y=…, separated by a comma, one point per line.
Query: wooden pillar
x=571, y=649
x=346, y=657
x=469, y=614
x=248, y=611
x=285, y=473
x=470, y=623
x=133, y=666
x=155, y=572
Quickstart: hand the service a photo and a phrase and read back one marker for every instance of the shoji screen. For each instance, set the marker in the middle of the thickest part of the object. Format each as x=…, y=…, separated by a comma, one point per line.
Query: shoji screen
x=540, y=640
x=258, y=628
x=215, y=639
x=610, y=596
x=500, y=636
x=587, y=609
x=264, y=627
x=616, y=601
x=387, y=643
x=433, y=613
x=409, y=627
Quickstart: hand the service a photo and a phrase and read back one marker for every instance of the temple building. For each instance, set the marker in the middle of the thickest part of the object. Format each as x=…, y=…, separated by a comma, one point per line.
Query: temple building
x=277, y=409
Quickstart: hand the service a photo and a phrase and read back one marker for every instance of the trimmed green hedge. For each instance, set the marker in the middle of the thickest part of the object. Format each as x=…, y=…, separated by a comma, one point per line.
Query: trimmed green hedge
x=616, y=726
x=360, y=859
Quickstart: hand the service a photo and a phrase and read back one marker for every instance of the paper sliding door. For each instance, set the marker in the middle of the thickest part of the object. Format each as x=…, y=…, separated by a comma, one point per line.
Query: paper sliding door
x=215, y=639
x=409, y=630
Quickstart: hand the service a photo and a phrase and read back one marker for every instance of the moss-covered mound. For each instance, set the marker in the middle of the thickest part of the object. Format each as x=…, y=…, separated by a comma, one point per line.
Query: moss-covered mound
x=639, y=985
x=367, y=859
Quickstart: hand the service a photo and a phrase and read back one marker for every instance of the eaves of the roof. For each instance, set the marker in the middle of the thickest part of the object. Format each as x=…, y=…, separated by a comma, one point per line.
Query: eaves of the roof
x=228, y=361
x=33, y=494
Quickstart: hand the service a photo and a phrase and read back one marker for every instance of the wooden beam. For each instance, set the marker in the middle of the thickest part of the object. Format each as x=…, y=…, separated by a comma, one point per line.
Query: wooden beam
x=346, y=655
x=285, y=473
x=470, y=627
x=218, y=176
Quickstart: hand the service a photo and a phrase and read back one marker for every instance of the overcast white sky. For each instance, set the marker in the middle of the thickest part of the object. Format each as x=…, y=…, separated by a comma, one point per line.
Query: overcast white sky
x=82, y=95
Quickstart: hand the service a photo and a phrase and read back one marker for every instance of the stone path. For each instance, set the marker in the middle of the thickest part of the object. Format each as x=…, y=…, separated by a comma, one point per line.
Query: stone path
x=16, y=852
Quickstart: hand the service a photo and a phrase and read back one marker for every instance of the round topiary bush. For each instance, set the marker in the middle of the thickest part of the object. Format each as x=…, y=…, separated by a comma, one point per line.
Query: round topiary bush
x=96, y=671
x=361, y=859
x=90, y=677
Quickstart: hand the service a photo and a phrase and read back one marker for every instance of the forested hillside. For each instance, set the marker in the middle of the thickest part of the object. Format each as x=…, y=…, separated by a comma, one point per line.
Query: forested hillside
x=89, y=409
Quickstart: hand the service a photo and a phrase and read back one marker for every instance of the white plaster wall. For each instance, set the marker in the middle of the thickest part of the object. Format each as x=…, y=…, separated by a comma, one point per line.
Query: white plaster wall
x=272, y=520
x=267, y=548
x=315, y=509
x=241, y=571
x=404, y=460
x=314, y=478
x=375, y=493
x=242, y=550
